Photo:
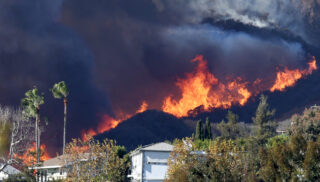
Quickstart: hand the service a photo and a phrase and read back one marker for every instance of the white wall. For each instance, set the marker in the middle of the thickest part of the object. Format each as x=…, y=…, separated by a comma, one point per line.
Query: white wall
x=3, y=176
x=155, y=165
x=136, y=165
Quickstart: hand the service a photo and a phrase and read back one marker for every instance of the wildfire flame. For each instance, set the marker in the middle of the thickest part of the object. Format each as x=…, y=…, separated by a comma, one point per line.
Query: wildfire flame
x=201, y=88
x=143, y=107
x=29, y=156
x=288, y=78
x=110, y=122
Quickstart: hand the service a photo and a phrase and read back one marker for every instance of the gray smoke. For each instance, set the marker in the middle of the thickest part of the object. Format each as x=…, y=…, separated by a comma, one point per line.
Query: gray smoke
x=300, y=17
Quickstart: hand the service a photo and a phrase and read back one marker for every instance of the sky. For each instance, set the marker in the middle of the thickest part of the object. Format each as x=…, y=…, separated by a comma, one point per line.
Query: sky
x=115, y=54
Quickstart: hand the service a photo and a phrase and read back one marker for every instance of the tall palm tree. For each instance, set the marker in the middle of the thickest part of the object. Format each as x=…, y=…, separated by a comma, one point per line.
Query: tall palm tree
x=31, y=109
x=60, y=90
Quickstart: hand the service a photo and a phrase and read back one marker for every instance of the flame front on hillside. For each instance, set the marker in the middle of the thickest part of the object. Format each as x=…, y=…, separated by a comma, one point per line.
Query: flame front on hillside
x=288, y=78
x=201, y=89
x=110, y=122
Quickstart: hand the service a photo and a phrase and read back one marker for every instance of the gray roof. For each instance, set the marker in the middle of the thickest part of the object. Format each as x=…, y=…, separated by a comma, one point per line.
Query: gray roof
x=10, y=170
x=284, y=125
x=161, y=147
x=59, y=161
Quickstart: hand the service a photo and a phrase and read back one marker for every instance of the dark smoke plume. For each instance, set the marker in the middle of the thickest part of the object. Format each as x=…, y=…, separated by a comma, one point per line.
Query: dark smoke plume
x=130, y=51
x=141, y=46
x=36, y=50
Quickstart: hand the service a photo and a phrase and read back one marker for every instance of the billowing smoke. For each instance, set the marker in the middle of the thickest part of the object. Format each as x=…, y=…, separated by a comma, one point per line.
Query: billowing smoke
x=130, y=51
x=299, y=17
x=141, y=46
x=36, y=50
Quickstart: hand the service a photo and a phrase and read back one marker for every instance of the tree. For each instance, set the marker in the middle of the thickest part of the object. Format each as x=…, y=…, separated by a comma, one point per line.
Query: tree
x=4, y=137
x=223, y=160
x=264, y=120
x=312, y=160
x=94, y=161
x=15, y=136
x=199, y=131
x=59, y=91
x=207, y=130
x=181, y=160
x=232, y=129
x=306, y=124
x=31, y=109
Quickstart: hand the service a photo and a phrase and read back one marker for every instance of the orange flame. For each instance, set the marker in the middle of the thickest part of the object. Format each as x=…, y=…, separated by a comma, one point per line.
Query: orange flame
x=110, y=122
x=29, y=156
x=288, y=78
x=143, y=107
x=201, y=88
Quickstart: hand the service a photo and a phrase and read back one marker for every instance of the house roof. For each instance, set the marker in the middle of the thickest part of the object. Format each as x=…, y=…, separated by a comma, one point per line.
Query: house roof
x=284, y=125
x=59, y=161
x=10, y=170
x=161, y=147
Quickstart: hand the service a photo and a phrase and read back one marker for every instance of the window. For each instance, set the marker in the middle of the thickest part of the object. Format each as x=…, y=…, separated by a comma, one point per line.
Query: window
x=158, y=163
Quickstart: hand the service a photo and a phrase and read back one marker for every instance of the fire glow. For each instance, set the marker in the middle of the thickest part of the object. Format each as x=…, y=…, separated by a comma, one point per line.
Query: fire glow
x=110, y=122
x=288, y=78
x=201, y=89
x=29, y=157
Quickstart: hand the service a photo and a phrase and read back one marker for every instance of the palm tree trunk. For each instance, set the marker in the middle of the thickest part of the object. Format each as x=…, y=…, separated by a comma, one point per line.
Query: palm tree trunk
x=64, y=123
x=38, y=136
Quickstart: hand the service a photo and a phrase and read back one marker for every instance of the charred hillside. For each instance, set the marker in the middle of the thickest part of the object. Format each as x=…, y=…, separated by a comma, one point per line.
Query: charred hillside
x=153, y=126
x=148, y=127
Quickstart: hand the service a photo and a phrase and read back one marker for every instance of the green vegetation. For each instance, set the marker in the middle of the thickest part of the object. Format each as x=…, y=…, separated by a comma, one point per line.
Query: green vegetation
x=232, y=129
x=265, y=156
x=263, y=119
x=203, y=132
x=5, y=130
x=199, y=131
x=207, y=130
x=104, y=161
x=31, y=108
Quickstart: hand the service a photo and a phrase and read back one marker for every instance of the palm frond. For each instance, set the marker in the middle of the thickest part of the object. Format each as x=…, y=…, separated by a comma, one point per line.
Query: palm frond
x=60, y=90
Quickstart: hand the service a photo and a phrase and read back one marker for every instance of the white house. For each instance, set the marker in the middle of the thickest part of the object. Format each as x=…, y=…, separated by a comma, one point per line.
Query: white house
x=150, y=163
x=56, y=168
x=7, y=172
x=52, y=169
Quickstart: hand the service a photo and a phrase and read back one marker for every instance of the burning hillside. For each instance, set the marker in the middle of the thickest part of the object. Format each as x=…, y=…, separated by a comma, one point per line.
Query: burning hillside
x=110, y=122
x=202, y=89
x=288, y=78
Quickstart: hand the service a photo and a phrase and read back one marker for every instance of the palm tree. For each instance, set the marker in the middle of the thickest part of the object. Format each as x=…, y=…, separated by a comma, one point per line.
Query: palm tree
x=31, y=109
x=60, y=90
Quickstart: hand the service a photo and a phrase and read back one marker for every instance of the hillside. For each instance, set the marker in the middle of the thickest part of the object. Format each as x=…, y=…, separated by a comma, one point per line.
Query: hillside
x=148, y=127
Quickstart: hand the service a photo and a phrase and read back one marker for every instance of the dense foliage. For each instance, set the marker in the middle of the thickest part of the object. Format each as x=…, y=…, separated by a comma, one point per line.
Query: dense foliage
x=265, y=156
x=96, y=161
